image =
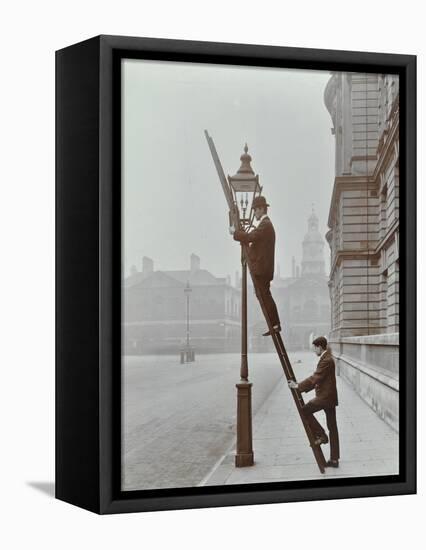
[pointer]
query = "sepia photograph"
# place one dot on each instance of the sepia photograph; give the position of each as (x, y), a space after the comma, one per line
(259, 274)
(211, 252)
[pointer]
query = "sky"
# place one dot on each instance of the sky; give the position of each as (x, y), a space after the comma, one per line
(173, 204)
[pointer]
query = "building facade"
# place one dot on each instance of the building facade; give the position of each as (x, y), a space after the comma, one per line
(155, 306)
(364, 235)
(155, 316)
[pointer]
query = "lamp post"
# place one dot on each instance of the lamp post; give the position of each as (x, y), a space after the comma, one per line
(189, 352)
(245, 186)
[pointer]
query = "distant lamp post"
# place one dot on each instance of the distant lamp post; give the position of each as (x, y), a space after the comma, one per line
(187, 354)
(245, 187)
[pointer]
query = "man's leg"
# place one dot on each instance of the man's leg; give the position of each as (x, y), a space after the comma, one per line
(334, 434)
(308, 410)
(266, 296)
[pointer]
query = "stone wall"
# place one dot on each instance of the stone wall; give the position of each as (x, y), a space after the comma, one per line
(364, 236)
(364, 209)
(354, 275)
(370, 364)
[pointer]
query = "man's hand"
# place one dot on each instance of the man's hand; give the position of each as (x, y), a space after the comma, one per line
(231, 230)
(293, 385)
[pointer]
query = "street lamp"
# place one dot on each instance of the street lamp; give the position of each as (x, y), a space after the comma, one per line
(245, 187)
(188, 351)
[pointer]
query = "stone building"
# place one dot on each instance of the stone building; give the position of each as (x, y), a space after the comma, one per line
(364, 235)
(303, 299)
(154, 305)
(155, 314)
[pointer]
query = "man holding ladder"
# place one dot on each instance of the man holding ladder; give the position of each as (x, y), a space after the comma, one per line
(323, 380)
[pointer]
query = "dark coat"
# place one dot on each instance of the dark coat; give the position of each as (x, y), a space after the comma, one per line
(324, 382)
(262, 248)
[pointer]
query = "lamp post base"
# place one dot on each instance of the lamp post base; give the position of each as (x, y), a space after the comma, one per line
(244, 455)
(187, 355)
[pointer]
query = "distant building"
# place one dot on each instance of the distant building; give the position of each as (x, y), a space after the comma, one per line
(154, 306)
(303, 299)
(155, 315)
(364, 235)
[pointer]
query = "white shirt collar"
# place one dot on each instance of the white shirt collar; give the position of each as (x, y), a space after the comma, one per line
(262, 218)
(325, 351)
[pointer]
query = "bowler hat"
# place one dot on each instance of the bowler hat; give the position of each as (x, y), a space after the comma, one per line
(258, 202)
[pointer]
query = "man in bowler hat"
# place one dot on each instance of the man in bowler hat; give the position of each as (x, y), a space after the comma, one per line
(261, 241)
(323, 380)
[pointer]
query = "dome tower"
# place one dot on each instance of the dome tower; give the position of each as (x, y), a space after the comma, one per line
(313, 263)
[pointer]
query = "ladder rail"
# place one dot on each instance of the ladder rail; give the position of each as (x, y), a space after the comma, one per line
(233, 209)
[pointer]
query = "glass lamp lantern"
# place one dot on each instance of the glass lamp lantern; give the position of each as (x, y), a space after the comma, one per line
(245, 187)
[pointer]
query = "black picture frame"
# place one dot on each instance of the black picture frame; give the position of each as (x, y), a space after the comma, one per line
(88, 273)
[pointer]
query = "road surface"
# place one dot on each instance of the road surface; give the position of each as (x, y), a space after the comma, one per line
(179, 419)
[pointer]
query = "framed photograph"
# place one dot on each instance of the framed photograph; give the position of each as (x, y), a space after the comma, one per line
(236, 278)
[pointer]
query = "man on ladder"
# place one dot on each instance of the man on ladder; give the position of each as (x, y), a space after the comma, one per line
(324, 382)
(261, 241)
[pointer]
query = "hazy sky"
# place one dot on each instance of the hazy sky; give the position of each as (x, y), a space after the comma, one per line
(173, 203)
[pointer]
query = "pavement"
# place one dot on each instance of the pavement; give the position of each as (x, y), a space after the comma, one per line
(368, 446)
(179, 419)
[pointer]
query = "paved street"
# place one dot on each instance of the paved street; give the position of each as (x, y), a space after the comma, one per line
(179, 420)
(368, 446)
(179, 425)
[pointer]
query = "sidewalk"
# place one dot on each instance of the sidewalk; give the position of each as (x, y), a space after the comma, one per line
(368, 446)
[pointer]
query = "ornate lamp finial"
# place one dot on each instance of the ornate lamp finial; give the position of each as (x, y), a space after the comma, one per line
(245, 158)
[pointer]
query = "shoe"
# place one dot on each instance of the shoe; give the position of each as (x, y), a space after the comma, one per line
(332, 464)
(321, 440)
(276, 329)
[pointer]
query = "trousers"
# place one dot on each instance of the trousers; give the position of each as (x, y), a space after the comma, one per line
(263, 292)
(330, 413)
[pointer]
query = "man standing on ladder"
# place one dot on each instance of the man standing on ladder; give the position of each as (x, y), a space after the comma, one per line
(261, 241)
(324, 382)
